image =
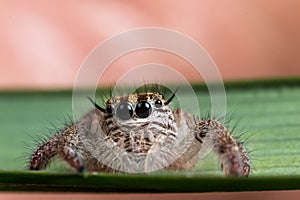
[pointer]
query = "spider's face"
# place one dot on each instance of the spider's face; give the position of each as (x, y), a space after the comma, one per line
(136, 108)
(138, 121)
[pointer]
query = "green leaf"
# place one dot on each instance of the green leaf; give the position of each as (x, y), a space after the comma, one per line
(268, 110)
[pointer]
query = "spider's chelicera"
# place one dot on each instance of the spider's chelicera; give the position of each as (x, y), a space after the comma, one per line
(145, 128)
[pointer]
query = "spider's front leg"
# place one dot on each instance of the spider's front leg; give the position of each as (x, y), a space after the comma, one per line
(232, 154)
(62, 145)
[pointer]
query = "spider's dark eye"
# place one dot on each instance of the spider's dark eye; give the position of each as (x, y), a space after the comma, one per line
(124, 111)
(158, 103)
(109, 109)
(143, 109)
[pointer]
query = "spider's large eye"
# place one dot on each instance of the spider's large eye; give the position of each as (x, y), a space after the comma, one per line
(124, 111)
(143, 109)
(158, 103)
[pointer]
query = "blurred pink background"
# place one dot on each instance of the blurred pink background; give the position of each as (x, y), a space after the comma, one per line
(43, 43)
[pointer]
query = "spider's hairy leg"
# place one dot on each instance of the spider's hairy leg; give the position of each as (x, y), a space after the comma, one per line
(61, 144)
(232, 154)
(44, 154)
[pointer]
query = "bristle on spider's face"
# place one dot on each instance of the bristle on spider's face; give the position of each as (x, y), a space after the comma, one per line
(96, 105)
(172, 97)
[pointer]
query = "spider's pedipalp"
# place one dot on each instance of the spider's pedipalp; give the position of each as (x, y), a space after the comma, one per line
(72, 157)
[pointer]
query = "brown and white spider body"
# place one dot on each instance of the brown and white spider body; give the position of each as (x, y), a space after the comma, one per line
(140, 133)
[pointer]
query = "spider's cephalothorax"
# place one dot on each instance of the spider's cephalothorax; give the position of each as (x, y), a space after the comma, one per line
(140, 131)
(136, 121)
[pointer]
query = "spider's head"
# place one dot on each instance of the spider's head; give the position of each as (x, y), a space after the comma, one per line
(137, 121)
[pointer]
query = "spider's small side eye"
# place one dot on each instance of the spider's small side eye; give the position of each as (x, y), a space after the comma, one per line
(143, 109)
(109, 109)
(124, 111)
(158, 103)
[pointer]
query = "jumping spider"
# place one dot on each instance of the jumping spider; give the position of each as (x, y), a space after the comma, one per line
(142, 127)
